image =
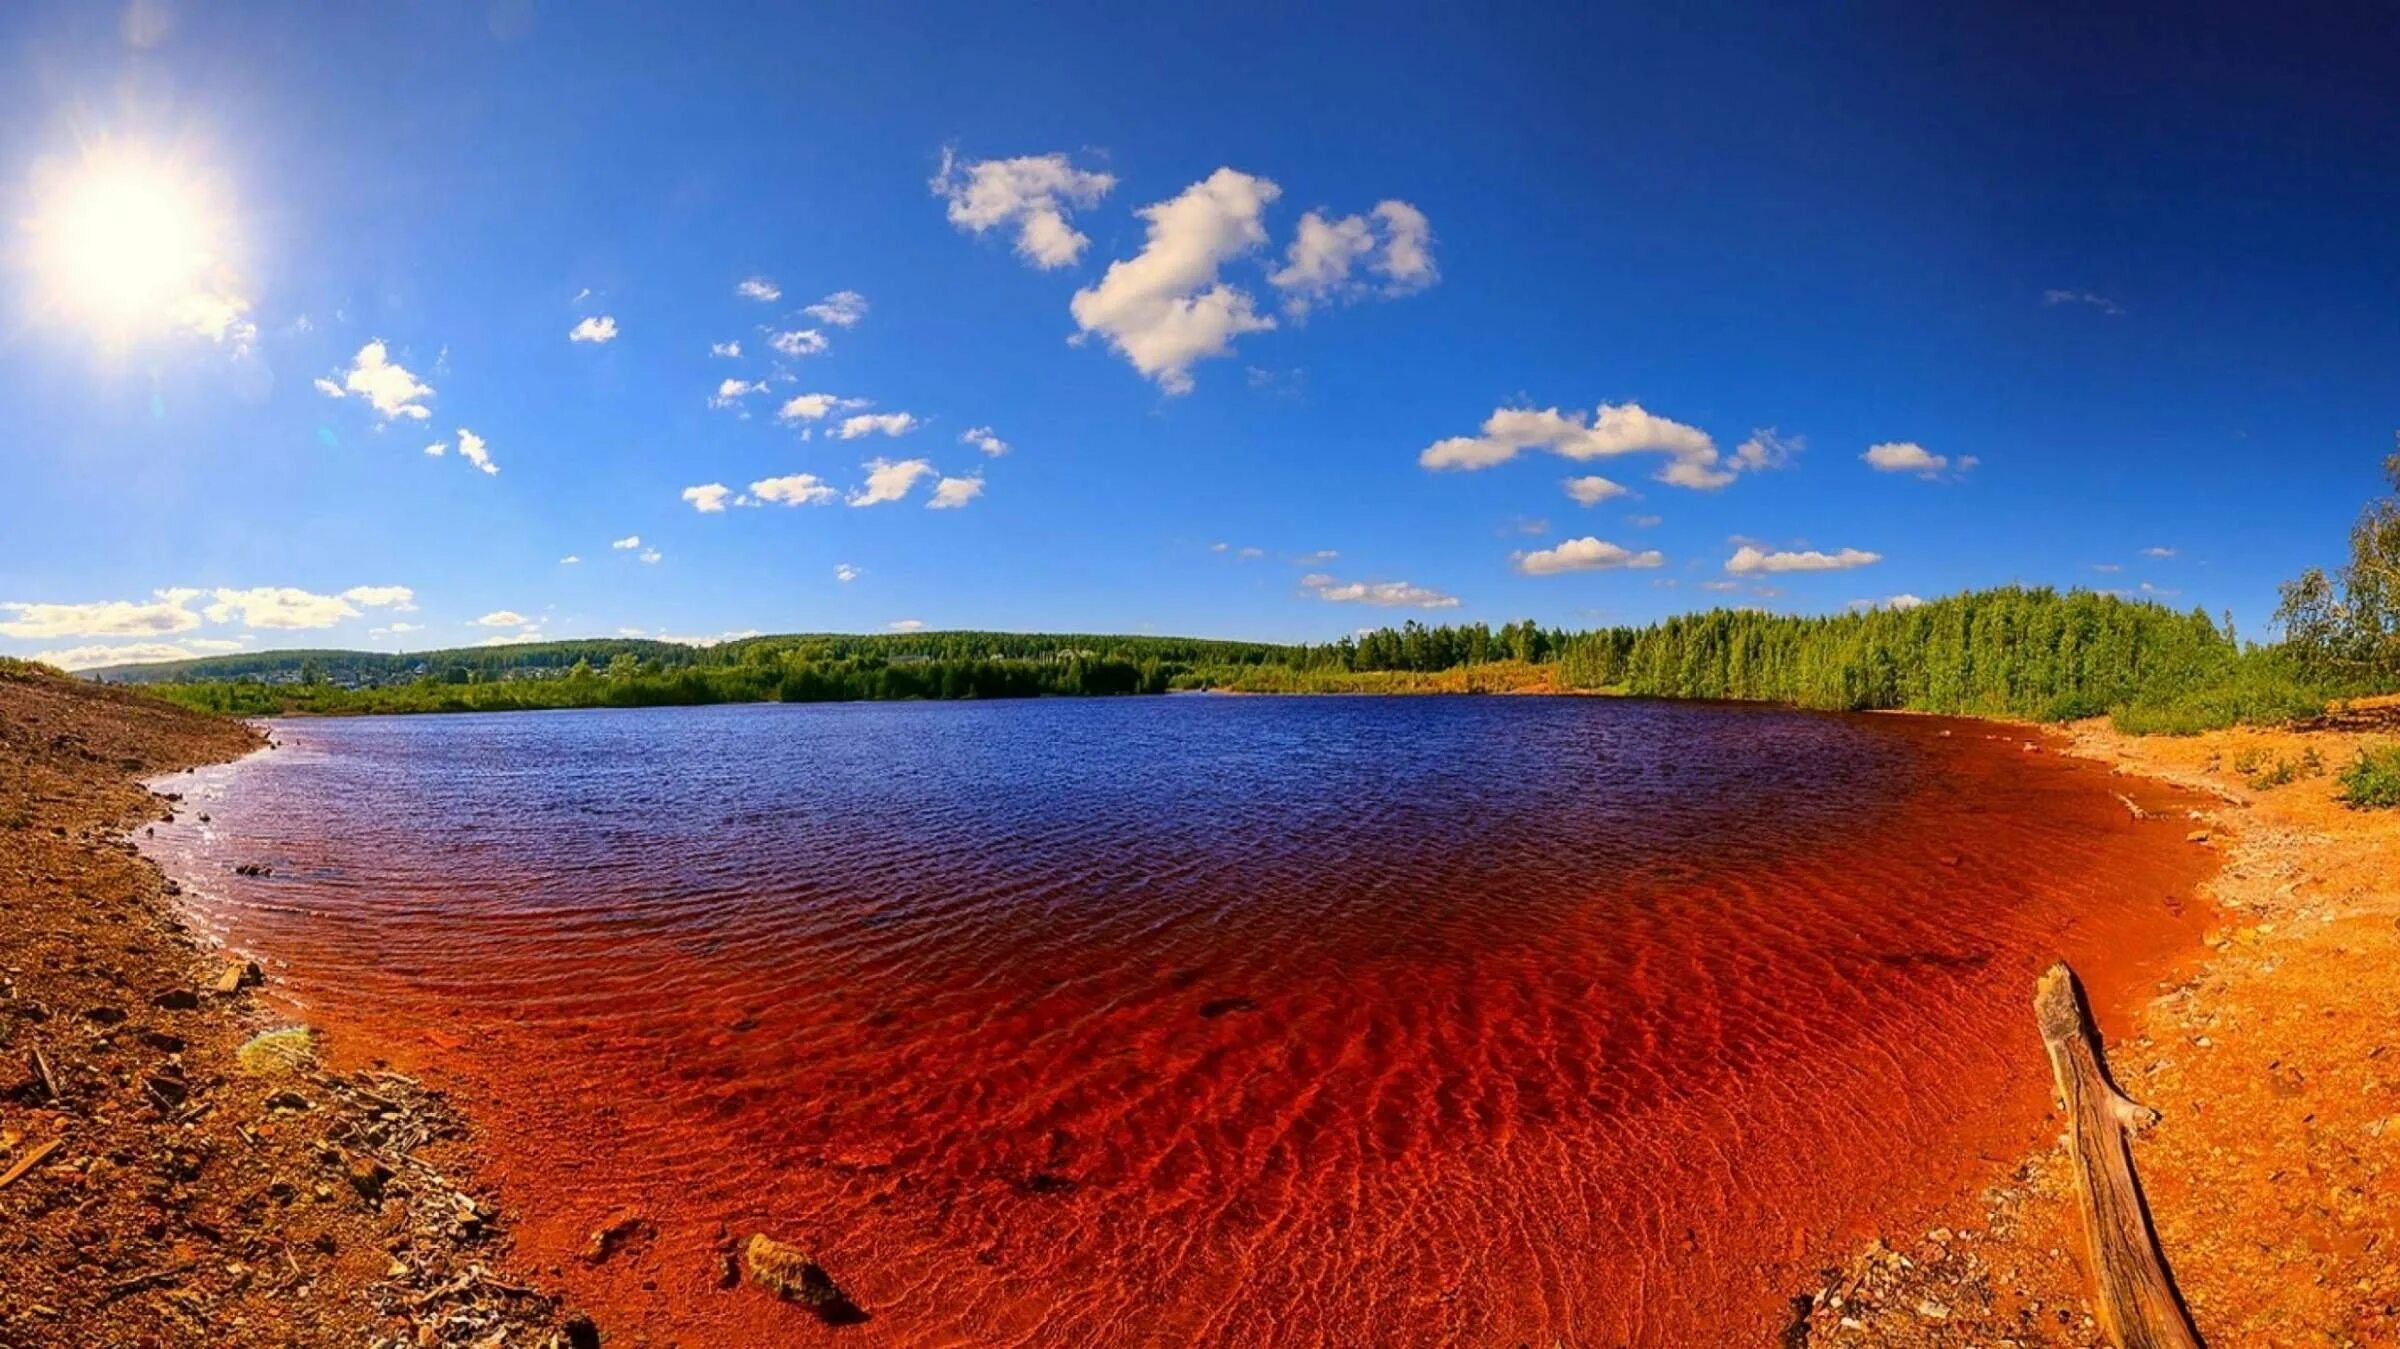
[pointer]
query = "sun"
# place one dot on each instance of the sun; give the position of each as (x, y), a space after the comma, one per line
(127, 243)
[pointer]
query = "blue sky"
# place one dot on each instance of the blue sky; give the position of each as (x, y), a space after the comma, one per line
(2098, 289)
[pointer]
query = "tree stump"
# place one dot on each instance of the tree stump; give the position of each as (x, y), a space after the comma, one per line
(2134, 1295)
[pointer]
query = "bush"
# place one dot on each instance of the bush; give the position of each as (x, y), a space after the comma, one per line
(2373, 781)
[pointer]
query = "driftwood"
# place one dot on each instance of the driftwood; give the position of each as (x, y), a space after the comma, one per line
(2136, 1301)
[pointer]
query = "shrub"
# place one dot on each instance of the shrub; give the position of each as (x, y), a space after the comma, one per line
(2372, 782)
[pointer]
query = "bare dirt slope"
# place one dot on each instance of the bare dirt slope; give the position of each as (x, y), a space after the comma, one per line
(165, 1176)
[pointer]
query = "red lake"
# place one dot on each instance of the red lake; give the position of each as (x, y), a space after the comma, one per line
(1361, 1021)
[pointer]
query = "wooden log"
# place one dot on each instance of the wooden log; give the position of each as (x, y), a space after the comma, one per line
(2134, 1294)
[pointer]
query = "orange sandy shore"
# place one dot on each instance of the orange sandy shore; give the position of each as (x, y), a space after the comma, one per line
(2275, 1064)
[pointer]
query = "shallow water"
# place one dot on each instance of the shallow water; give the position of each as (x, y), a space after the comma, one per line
(1201, 1020)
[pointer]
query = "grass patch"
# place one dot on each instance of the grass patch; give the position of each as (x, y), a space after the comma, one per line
(2372, 782)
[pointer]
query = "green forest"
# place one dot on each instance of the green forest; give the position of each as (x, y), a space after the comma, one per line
(2013, 651)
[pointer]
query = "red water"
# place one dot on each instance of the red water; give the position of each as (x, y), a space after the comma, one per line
(1363, 1021)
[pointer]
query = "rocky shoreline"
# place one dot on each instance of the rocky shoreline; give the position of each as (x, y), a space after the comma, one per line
(176, 1165)
(2275, 1064)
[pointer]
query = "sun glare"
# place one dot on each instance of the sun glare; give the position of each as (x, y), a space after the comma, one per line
(127, 243)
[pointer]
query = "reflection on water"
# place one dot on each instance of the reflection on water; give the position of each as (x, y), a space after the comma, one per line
(1367, 1021)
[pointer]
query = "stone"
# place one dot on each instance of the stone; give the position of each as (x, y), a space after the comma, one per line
(791, 1274)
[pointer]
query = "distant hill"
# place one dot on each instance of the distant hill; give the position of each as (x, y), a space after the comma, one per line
(372, 669)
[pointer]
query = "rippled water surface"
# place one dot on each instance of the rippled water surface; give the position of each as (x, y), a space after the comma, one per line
(1200, 1020)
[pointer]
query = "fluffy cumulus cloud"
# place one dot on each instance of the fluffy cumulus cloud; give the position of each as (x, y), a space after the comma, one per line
(842, 309)
(472, 449)
(952, 493)
(1751, 560)
(798, 342)
(845, 573)
(760, 289)
(1765, 449)
(383, 597)
(131, 653)
(1386, 252)
(386, 385)
(981, 438)
(1384, 594)
(600, 329)
(1585, 554)
(1615, 429)
(731, 392)
(626, 544)
(890, 480)
(1907, 456)
(285, 607)
(166, 611)
(652, 555)
(906, 625)
(1165, 308)
(1033, 195)
(708, 498)
(796, 489)
(813, 407)
(875, 424)
(725, 348)
(1903, 600)
(503, 618)
(1593, 489)
(569, 560)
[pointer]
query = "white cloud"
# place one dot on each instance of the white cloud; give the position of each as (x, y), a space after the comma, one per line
(383, 597)
(601, 329)
(165, 612)
(953, 493)
(708, 498)
(438, 448)
(906, 625)
(889, 480)
(1903, 600)
(627, 544)
(725, 348)
(1395, 243)
(470, 448)
(1765, 450)
(569, 560)
(981, 438)
(651, 555)
(503, 618)
(532, 634)
(845, 573)
(387, 385)
(289, 607)
(1593, 489)
(1615, 429)
(798, 342)
(731, 392)
(1749, 559)
(1584, 554)
(2159, 552)
(809, 407)
(1165, 308)
(875, 424)
(1321, 555)
(130, 653)
(1386, 594)
(396, 629)
(1907, 456)
(760, 289)
(797, 489)
(842, 309)
(713, 640)
(1031, 193)
(2102, 303)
